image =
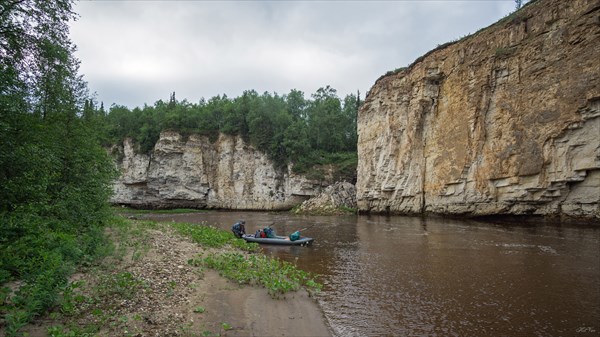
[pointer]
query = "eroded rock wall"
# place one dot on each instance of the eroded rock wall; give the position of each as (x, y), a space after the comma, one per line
(195, 172)
(339, 198)
(503, 122)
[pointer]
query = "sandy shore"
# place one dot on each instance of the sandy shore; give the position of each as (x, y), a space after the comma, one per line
(169, 297)
(252, 312)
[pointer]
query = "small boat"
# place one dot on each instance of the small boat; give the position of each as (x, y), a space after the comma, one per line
(278, 240)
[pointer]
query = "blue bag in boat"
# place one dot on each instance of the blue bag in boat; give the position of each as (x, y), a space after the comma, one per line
(269, 232)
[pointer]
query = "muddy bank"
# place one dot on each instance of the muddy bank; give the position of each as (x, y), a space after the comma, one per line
(147, 288)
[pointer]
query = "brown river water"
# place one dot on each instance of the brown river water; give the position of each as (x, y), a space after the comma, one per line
(410, 276)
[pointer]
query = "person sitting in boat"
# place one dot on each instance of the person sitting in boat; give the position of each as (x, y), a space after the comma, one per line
(239, 229)
(260, 234)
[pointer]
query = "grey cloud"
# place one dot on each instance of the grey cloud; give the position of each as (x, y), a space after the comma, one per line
(136, 52)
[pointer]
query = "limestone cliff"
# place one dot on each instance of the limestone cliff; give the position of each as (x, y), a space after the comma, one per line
(195, 172)
(506, 121)
(339, 198)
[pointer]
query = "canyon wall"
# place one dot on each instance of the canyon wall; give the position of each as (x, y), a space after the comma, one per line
(506, 121)
(198, 173)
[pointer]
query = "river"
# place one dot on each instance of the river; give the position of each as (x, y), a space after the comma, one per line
(411, 276)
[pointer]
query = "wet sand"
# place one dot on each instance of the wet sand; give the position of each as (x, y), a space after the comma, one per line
(173, 291)
(252, 312)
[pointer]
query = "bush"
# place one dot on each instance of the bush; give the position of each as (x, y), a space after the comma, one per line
(213, 237)
(277, 276)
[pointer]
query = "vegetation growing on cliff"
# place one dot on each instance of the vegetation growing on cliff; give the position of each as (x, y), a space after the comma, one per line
(289, 128)
(54, 175)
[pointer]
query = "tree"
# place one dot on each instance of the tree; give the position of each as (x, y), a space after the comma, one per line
(518, 4)
(296, 104)
(348, 126)
(172, 101)
(54, 176)
(235, 114)
(288, 128)
(324, 118)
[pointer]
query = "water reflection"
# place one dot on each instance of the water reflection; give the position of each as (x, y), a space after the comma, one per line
(439, 277)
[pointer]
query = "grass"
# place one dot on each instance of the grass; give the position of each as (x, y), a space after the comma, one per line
(111, 286)
(208, 236)
(97, 302)
(395, 71)
(122, 285)
(83, 309)
(36, 262)
(279, 277)
(502, 52)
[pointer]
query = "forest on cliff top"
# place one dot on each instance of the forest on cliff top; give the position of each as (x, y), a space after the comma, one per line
(291, 128)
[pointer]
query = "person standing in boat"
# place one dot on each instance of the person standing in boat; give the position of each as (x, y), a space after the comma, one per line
(239, 228)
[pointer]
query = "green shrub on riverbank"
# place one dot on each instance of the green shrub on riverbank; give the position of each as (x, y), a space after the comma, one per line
(83, 307)
(55, 178)
(277, 276)
(37, 266)
(207, 236)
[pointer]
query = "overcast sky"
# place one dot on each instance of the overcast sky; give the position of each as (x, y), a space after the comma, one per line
(136, 52)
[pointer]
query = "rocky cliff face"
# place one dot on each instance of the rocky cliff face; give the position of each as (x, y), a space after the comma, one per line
(339, 198)
(503, 122)
(197, 173)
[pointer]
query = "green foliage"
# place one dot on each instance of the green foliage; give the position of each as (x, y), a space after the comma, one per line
(277, 276)
(55, 178)
(395, 71)
(287, 128)
(42, 257)
(98, 299)
(61, 331)
(349, 210)
(70, 299)
(213, 237)
(119, 285)
(316, 165)
(502, 52)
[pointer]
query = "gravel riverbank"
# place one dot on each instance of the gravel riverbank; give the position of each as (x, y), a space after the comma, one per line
(148, 288)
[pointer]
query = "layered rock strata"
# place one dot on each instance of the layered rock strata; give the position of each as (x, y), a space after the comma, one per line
(198, 173)
(506, 121)
(339, 198)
